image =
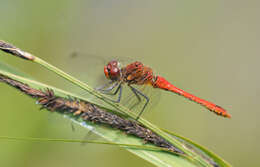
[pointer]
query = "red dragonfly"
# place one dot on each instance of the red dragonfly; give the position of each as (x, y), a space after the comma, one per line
(137, 73)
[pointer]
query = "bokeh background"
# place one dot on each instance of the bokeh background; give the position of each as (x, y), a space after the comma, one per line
(209, 48)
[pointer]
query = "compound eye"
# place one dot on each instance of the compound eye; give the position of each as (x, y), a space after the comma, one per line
(109, 66)
(112, 70)
(106, 71)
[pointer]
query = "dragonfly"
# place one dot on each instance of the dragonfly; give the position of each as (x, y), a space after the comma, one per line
(137, 73)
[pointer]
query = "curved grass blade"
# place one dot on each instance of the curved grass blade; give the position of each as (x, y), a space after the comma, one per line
(195, 158)
(214, 156)
(158, 158)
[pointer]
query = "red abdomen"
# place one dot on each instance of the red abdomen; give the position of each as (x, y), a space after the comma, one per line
(162, 83)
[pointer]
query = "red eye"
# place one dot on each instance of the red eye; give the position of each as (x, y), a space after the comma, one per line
(112, 70)
(106, 72)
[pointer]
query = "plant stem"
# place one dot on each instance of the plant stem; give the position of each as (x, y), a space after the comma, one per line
(27, 56)
(118, 106)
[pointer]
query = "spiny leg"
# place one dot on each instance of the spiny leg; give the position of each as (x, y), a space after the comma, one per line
(137, 96)
(105, 90)
(146, 98)
(119, 88)
(109, 89)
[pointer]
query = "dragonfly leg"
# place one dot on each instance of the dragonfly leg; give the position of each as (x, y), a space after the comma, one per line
(138, 98)
(109, 89)
(136, 91)
(119, 88)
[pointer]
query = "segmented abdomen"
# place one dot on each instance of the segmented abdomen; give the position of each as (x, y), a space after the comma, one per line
(162, 83)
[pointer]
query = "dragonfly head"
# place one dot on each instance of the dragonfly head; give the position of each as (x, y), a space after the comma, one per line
(112, 70)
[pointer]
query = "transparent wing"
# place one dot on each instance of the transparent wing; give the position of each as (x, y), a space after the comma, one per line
(88, 68)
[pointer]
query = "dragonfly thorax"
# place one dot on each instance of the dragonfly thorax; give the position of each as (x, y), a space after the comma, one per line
(137, 73)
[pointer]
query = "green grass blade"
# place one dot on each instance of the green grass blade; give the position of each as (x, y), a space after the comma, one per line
(195, 158)
(214, 156)
(27, 56)
(158, 158)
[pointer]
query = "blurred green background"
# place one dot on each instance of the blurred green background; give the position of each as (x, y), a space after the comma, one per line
(209, 48)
